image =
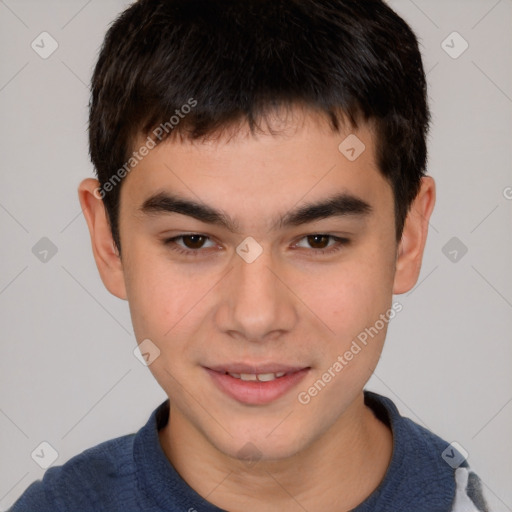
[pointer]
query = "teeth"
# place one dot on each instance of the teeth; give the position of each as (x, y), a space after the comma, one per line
(265, 377)
(261, 377)
(248, 376)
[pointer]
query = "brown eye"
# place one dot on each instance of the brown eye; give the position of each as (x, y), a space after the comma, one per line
(189, 244)
(318, 241)
(193, 241)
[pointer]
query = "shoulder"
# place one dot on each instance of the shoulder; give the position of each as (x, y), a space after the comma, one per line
(426, 473)
(446, 466)
(87, 482)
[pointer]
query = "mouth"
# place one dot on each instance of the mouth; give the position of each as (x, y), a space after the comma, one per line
(253, 377)
(256, 385)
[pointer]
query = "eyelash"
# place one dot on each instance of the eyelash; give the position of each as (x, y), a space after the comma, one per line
(171, 243)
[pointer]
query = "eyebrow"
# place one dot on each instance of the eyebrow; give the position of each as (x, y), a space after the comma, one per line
(338, 205)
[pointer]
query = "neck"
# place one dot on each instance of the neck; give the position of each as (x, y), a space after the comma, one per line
(336, 472)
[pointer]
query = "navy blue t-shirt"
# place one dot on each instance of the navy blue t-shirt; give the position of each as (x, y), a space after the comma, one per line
(132, 473)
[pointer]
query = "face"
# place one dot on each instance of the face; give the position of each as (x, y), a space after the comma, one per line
(247, 258)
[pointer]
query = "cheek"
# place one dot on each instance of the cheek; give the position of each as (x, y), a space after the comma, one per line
(156, 295)
(349, 296)
(354, 300)
(164, 306)
(168, 302)
(356, 303)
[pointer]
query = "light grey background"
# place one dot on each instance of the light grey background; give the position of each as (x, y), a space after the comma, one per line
(68, 375)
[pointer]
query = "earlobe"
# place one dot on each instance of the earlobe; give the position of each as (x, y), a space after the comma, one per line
(104, 250)
(414, 237)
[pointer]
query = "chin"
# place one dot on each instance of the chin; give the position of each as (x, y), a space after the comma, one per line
(256, 444)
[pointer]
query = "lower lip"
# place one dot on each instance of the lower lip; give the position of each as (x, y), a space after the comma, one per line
(256, 392)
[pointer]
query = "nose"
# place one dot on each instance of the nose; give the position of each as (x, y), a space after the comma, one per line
(257, 303)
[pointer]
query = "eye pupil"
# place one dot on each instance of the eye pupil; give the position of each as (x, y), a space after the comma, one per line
(197, 241)
(314, 240)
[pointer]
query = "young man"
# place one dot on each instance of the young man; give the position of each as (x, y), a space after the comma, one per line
(261, 195)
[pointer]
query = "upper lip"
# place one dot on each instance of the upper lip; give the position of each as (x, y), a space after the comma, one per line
(255, 368)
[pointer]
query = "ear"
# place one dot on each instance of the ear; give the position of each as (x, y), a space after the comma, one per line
(105, 253)
(414, 236)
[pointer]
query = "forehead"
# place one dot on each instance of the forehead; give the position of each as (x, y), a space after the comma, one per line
(265, 173)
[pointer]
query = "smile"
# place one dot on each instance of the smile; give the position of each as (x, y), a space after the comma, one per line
(256, 385)
(261, 377)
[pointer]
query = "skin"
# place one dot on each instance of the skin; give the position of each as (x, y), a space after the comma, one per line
(291, 305)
